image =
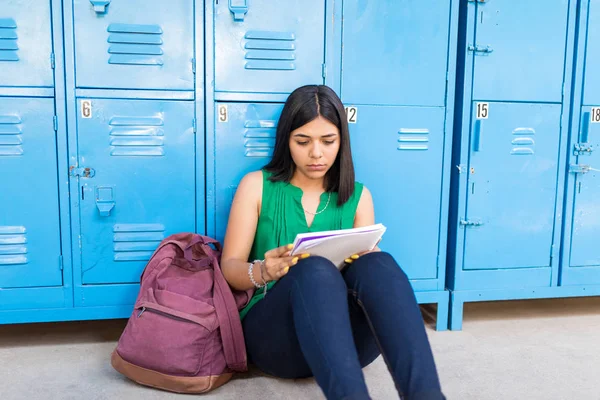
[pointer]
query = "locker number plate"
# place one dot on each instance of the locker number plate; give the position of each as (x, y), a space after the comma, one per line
(86, 109)
(483, 110)
(595, 115)
(223, 115)
(352, 114)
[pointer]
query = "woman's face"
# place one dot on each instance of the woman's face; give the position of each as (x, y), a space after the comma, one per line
(314, 147)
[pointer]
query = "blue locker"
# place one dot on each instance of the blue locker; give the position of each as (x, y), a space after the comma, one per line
(520, 50)
(405, 181)
(511, 190)
(134, 44)
(30, 248)
(137, 183)
(243, 142)
(395, 52)
(262, 46)
(585, 226)
(26, 54)
(516, 63)
(581, 257)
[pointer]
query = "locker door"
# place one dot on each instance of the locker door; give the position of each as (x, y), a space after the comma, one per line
(134, 44)
(244, 142)
(398, 155)
(583, 265)
(140, 187)
(25, 43)
(527, 44)
(585, 228)
(29, 213)
(268, 46)
(512, 186)
(591, 89)
(395, 52)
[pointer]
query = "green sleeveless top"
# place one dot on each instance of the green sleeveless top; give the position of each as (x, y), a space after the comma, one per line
(282, 218)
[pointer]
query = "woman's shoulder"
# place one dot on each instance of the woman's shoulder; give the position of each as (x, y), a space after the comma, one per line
(251, 185)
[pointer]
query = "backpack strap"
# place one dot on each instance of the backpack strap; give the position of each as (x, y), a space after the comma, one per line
(230, 324)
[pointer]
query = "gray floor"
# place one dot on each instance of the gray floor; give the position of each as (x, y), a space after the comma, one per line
(542, 349)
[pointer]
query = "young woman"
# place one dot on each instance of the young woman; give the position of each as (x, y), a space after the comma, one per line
(311, 319)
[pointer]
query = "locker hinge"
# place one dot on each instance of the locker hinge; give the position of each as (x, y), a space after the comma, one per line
(477, 49)
(55, 119)
(193, 65)
(583, 149)
(468, 222)
(83, 172)
(60, 262)
(324, 71)
(194, 125)
(52, 60)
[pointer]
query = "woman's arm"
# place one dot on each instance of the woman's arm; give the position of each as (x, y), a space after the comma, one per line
(241, 228)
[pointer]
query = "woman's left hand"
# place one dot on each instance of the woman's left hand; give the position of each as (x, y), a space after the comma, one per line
(355, 257)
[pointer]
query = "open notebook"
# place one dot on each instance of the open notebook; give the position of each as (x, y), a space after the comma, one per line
(338, 245)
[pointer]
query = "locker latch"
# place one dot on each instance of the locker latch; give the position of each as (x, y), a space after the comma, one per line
(239, 8)
(579, 169)
(100, 5)
(468, 222)
(583, 149)
(82, 172)
(476, 1)
(105, 200)
(480, 49)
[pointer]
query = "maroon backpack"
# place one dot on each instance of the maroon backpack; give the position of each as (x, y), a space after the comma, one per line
(185, 333)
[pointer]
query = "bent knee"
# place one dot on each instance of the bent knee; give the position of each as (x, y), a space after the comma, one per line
(383, 259)
(316, 270)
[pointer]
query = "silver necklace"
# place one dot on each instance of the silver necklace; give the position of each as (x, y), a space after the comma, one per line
(319, 212)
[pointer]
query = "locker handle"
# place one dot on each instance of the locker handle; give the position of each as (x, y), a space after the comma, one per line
(100, 5)
(477, 136)
(238, 8)
(105, 200)
(585, 128)
(105, 207)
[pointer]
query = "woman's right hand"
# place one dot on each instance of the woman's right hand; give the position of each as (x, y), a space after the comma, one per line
(278, 262)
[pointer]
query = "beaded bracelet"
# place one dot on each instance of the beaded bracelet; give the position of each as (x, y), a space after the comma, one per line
(251, 275)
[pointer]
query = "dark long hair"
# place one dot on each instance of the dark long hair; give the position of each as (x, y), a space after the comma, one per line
(304, 105)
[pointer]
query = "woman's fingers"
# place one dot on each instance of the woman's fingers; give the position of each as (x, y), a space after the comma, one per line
(279, 251)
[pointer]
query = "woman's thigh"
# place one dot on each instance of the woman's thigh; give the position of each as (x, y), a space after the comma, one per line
(271, 340)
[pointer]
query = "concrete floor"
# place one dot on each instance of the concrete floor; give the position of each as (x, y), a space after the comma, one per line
(540, 349)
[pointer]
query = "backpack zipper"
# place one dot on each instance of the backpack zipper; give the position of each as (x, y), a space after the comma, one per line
(167, 315)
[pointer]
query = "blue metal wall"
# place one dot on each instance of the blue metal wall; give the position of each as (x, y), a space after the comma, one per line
(137, 119)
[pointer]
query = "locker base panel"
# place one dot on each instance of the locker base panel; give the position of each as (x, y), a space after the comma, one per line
(460, 297)
(30, 305)
(441, 298)
(64, 314)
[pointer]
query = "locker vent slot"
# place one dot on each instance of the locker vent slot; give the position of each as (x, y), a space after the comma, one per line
(269, 50)
(11, 138)
(523, 141)
(413, 139)
(8, 40)
(13, 245)
(135, 44)
(259, 138)
(136, 136)
(136, 242)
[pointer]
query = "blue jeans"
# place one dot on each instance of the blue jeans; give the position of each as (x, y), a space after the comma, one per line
(319, 322)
